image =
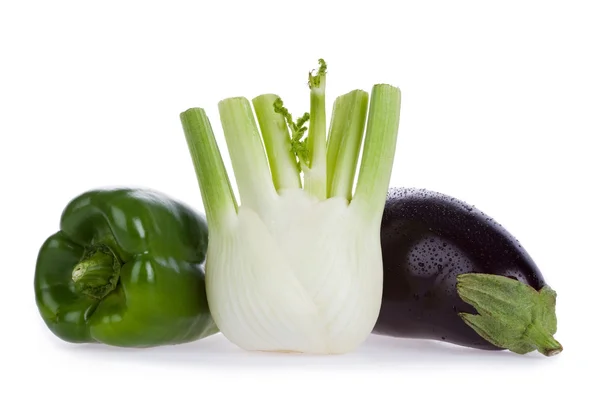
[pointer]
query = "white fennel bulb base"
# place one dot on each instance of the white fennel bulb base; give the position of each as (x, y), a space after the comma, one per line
(306, 278)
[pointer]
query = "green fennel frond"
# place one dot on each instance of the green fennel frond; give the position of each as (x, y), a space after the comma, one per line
(314, 81)
(298, 129)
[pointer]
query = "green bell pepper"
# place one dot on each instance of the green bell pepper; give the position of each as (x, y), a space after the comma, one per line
(125, 269)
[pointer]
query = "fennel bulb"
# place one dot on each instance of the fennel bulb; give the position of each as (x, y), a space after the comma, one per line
(297, 265)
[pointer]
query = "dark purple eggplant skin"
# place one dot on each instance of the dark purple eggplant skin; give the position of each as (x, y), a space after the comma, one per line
(427, 239)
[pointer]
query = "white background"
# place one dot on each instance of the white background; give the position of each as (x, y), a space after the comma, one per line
(500, 108)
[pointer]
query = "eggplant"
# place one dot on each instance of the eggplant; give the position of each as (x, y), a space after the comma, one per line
(453, 274)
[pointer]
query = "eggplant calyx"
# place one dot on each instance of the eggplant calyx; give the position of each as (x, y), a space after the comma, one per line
(512, 314)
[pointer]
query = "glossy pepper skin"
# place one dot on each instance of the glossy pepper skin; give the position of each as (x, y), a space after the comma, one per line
(125, 269)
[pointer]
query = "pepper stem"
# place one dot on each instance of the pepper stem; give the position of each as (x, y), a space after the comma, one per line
(97, 273)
